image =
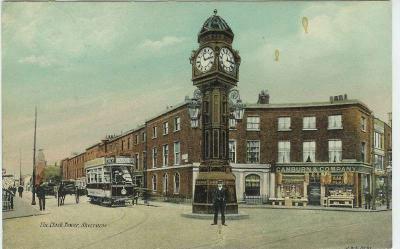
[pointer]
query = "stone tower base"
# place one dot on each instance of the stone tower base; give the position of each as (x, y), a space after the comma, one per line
(205, 185)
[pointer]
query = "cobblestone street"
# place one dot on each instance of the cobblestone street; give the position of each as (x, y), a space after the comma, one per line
(161, 225)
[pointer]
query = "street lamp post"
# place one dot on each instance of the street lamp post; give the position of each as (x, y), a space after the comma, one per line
(388, 185)
(34, 162)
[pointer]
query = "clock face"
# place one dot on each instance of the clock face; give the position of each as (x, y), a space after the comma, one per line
(205, 59)
(226, 60)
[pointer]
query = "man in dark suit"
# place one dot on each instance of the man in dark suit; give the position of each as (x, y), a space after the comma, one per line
(41, 195)
(219, 202)
(368, 198)
(20, 190)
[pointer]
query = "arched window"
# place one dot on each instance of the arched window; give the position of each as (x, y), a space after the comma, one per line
(176, 183)
(165, 183)
(154, 182)
(252, 185)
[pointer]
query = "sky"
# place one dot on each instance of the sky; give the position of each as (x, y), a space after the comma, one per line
(94, 69)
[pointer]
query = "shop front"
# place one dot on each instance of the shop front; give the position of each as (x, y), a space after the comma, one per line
(339, 184)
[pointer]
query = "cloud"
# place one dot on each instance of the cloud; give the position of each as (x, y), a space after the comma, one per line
(41, 61)
(156, 45)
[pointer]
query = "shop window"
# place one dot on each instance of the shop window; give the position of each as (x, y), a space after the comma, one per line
(252, 185)
(292, 190)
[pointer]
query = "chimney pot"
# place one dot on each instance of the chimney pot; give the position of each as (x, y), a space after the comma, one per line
(263, 97)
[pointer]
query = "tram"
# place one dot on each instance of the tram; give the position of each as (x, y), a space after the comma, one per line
(109, 180)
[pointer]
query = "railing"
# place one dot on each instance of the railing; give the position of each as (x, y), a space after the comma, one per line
(176, 199)
(8, 200)
(256, 200)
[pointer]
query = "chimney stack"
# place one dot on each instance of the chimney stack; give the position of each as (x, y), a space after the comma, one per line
(263, 97)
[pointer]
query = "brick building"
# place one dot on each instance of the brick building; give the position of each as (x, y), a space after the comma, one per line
(382, 155)
(306, 151)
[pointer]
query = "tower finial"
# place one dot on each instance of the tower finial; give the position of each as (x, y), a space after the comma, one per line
(215, 12)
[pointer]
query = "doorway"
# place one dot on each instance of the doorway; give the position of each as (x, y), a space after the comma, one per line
(314, 191)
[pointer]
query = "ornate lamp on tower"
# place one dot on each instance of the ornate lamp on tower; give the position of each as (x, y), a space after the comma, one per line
(215, 72)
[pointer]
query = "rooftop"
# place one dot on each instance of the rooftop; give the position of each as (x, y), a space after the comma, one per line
(308, 104)
(215, 23)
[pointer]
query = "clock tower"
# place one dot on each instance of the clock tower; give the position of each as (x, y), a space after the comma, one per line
(215, 71)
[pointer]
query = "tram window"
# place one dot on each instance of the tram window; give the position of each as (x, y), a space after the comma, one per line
(121, 174)
(106, 175)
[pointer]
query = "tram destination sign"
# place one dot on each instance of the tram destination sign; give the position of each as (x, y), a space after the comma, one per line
(305, 169)
(122, 160)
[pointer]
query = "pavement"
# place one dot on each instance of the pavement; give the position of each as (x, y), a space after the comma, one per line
(378, 208)
(161, 225)
(23, 207)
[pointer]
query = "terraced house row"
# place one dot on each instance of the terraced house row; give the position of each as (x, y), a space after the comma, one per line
(321, 153)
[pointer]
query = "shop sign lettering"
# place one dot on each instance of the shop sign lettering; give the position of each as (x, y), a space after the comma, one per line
(317, 169)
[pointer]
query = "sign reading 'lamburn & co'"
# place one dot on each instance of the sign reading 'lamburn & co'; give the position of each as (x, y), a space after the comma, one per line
(291, 169)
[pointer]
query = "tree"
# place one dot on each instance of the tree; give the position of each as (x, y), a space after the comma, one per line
(52, 174)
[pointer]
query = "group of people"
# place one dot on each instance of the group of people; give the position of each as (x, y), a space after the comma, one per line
(20, 190)
(41, 195)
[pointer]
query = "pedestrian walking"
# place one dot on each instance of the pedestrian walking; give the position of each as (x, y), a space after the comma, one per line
(136, 197)
(368, 198)
(77, 194)
(219, 201)
(20, 190)
(41, 195)
(60, 195)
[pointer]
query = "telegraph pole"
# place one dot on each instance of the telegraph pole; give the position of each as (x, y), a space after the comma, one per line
(20, 170)
(34, 162)
(373, 164)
